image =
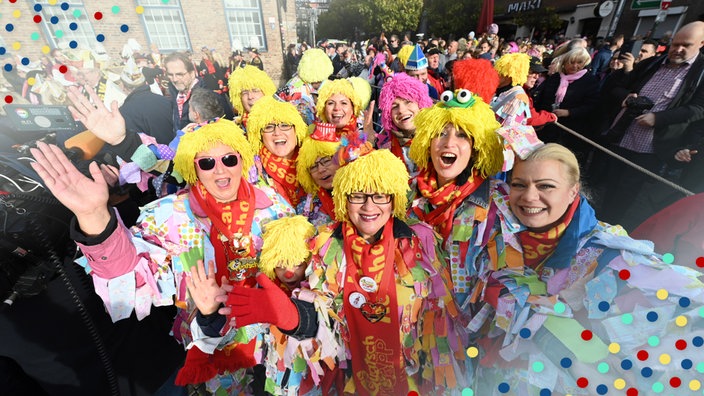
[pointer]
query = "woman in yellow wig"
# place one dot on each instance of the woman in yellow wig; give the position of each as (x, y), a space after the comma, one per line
(276, 130)
(247, 85)
(217, 219)
(340, 103)
(456, 151)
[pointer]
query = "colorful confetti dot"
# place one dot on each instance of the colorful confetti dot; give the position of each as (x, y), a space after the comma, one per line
(524, 333)
(681, 321)
(73, 44)
(37, 19)
(16, 45)
(46, 49)
(603, 367)
(467, 392)
(31, 81)
(566, 362)
(694, 385)
(100, 38)
(686, 364)
(34, 36)
(25, 61)
(701, 312)
(54, 20)
(624, 274)
(700, 367)
(37, 7)
(627, 318)
(59, 33)
(632, 392)
(675, 382)
(559, 307)
(124, 28)
(646, 372)
(73, 26)
(602, 389)
(619, 383)
(697, 341)
(472, 352)
(653, 341)
(665, 358)
(582, 382)
(668, 258)
(604, 306)
(77, 13)
(545, 392)
(52, 2)
(658, 387)
(681, 344)
(652, 316)
(642, 355)
(2, 50)
(684, 302)
(587, 335)
(700, 261)
(16, 13)
(9, 27)
(139, 10)
(504, 387)
(614, 347)
(538, 367)
(98, 15)
(626, 364)
(65, 6)
(63, 69)
(9, 99)
(412, 393)
(661, 294)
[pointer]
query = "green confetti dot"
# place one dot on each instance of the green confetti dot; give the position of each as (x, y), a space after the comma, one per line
(538, 367)
(658, 387)
(165, 1)
(653, 341)
(701, 312)
(76, 13)
(467, 392)
(603, 367)
(59, 33)
(627, 318)
(559, 307)
(34, 36)
(668, 258)
(115, 9)
(700, 367)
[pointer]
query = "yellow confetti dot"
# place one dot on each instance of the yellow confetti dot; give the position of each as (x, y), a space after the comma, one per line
(46, 49)
(16, 13)
(472, 352)
(665, 358)
(619, 383)
(31, 81)
(661, 294)
(681, 321)
(694, 385)
(614, 347)
(52, 2)
(16, 45)
(139, 9)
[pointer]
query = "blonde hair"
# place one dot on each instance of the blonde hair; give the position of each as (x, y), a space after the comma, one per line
(577, 54)
(246, 78)
(309, 152)
(559, 153)
(342, 87)
(285, 244)
(269, 110)
(515, 66)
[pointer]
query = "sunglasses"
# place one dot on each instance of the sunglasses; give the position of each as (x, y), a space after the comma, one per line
(208, 163)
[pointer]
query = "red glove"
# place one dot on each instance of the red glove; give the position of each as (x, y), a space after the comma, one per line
(268, 304)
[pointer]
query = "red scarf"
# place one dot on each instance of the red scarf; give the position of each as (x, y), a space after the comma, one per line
(327, 205)
(209, 65)
(445, 199)
(283, 171)
(375, 347)
(537, 246)
(350, 127)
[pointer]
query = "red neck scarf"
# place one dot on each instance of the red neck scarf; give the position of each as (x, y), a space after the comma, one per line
(375, 346)
(230, 234)
(537, 246)
(327, 205)
(283, 171)
(209, 65)
(445, 199)
(350, 127)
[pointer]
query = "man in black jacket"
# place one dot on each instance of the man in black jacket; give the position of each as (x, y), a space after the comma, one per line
(143, 110)
(673, 83)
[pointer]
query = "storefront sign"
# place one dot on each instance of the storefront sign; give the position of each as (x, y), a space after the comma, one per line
(523, 6)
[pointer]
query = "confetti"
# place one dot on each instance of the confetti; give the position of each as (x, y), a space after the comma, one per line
(472, 352)
(603, 367)
(59, 33)
(668, 258)
(37, 19)
(602, 389)
(665, 359)
(697, 341)
(624, 274)
(587, 335)
(559, 307)
(681, 321)
(566, 362)
(16, 13)
(642, 355)
(54, 20)
(34, 36)
(614, 347)
(504, 387)
(8, 99)
(653, 341)
(627, 318)
(115, 9)
(124, 28)
(684, 302)
(582, 382)
(98, 16)
(545, 392)
(694, 385)
(9, 27)
(467, 392)
(658, 387)
(524, 333)
(16, 45)
(661, 294)
(700, 261)
(675, 382)
(37, 7)
(46, 49)
(632, 392)
(646, 372)
(538, 367)
(652, 316)
(412, 393)
(73, 44)
(619, 383)
(100, 38)
(31, 81)
(681, 344)
(139, 10)
(604, 306)
(63, 69)
(73, 26)
(686, 364)
(626, 364)
(65, 6)
(77, 13)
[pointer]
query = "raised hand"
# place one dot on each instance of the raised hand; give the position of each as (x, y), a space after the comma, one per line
(369, 123)
(87, 198)
(107, 124)
(204, 288)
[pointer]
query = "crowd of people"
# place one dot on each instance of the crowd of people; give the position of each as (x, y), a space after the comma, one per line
(397, 216)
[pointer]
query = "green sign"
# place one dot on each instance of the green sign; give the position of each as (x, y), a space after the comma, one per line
(645, 4)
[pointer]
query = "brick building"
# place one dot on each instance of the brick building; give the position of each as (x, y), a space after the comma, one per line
(171, 25)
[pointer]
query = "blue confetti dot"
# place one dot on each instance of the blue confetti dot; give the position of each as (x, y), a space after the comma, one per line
(54, 20)
(73, 26)
(100, 38)
(504, 387)
(525, 333)
(8, 67)
(37, 7)
(686, 364)
(684, 302)
(73, 44)
(25, 61)
(626, 364)
(646, 372)
(124, 28)
(545, 392)
(2, 50)
(652, 316)
(602, 389)
(566, 362)
(604, 306)
(696, 341)
(65, 6)
(9, 27)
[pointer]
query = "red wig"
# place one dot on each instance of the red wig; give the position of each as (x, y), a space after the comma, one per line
(476, 75)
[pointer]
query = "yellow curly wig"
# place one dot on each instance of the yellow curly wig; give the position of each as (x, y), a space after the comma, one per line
(315, 66)
(515, 66)
(364, 90)
(404, 53)
(309, 152)
(330, 88)
(379, 172)
(478, 121)
(285, 244)
(206, 137)
(270, 110)
(245, 78)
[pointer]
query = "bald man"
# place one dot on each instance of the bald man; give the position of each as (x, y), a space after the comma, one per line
(673, 82)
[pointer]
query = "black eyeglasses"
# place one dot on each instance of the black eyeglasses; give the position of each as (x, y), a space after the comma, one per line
(361, 198)
(208, 163)
(269, 128)
(321, 163)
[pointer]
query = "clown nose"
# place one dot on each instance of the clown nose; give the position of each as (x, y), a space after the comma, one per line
(288, 274)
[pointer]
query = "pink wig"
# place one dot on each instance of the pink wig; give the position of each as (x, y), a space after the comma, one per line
(401, 86)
